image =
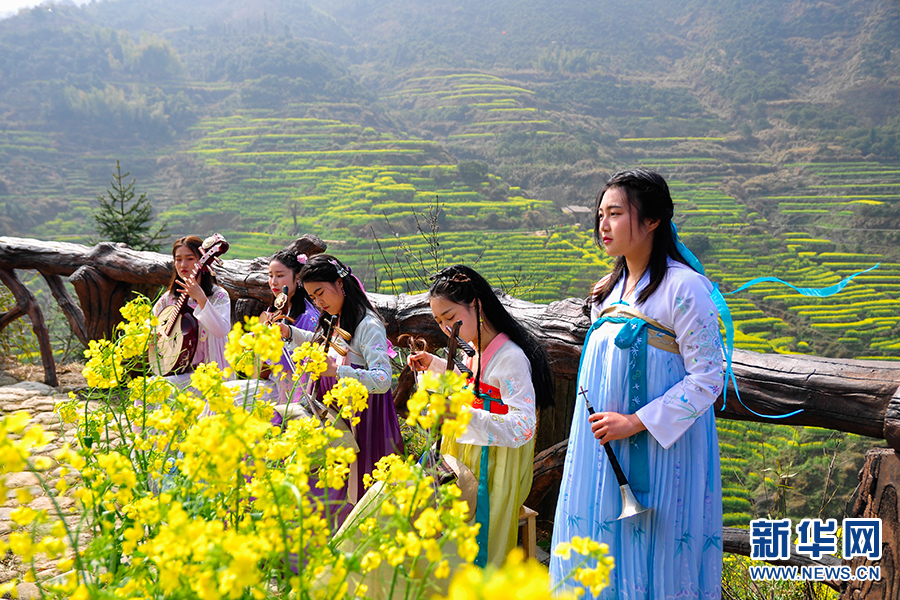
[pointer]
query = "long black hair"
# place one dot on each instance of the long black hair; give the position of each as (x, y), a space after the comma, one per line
(328, 269)
(648, 197)
(462, 285)
(207, 279)
(298, 299)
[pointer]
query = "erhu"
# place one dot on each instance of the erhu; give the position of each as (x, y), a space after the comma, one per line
(281, 301)
(630, 504)
(329, 331)
(324, 414)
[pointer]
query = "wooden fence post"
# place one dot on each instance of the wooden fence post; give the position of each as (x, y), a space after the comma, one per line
(879, 480)
(27, 304)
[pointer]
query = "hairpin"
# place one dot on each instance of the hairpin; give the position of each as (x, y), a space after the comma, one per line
(301, 258)
(451, 274)
(342, 271)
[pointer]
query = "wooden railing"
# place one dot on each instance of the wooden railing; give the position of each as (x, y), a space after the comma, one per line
(853, 396)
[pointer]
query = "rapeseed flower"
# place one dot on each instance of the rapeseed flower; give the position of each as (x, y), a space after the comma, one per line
(187, 495)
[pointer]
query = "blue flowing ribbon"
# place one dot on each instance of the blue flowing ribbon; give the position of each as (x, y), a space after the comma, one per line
(633, 337)
(724, 312)
(483, 502)
(815, 292)
(483, 510)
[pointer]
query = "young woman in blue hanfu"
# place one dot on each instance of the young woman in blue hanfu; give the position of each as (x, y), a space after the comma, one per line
(652, 366)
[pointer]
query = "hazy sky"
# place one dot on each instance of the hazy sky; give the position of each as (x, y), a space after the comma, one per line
(11, 7)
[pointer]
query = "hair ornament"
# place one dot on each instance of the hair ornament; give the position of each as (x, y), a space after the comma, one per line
(451, 274)
(301, 258)
(342, 271)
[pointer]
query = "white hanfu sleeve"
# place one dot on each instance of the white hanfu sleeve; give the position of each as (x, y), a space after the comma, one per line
(216, 315)
(161, 303)
(370, 342)
(511, 373)
(696, 325)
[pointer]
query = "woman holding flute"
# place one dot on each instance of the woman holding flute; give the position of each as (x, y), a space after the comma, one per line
(652, 365)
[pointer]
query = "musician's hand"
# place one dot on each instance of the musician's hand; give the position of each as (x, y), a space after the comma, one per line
(330, 367)
(265, 318)
(192, 287)
(608, 426)
(419, 361)
(285, 331)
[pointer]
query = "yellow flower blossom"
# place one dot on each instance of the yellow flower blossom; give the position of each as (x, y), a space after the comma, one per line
(350, 396)
(224, 505)
(440, 400)
(309, 359)
(517, 579)
(251, 342)
(370, 561)
(23, 515)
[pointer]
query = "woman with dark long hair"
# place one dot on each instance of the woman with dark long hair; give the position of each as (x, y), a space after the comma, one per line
(511, 379)
(337, 292)
(210, 304)
(280, 388)
(652, 366)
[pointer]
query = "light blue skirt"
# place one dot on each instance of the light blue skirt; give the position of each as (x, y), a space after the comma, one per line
(675, 549)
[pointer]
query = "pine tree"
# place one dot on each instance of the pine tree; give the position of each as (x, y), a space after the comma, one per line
(124, 218)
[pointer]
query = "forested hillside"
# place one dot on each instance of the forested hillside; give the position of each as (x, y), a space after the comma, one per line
(776, 124)
(414, 134)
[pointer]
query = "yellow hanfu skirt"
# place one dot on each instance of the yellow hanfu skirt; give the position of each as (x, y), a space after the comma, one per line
(510, 472)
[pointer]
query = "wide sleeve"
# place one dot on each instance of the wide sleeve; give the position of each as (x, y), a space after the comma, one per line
(371, 339)
(696, 325)
(511, 373)
(596, 308)
(216, 315)
(161, 303)
(439, 365)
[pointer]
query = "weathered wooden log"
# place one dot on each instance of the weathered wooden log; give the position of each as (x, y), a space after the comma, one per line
(878, 497)
(27, 304)
(116, 261)
(104, 297)
(847, 395)
(548, 468)
(72, 311)
(241, 278)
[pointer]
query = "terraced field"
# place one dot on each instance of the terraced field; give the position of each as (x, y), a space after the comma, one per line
(541, 266)
(481, 105)
(781, 470)
(836, 189)
(340, 180)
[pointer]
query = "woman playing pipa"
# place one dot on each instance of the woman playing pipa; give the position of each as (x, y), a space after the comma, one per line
(199, 299)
